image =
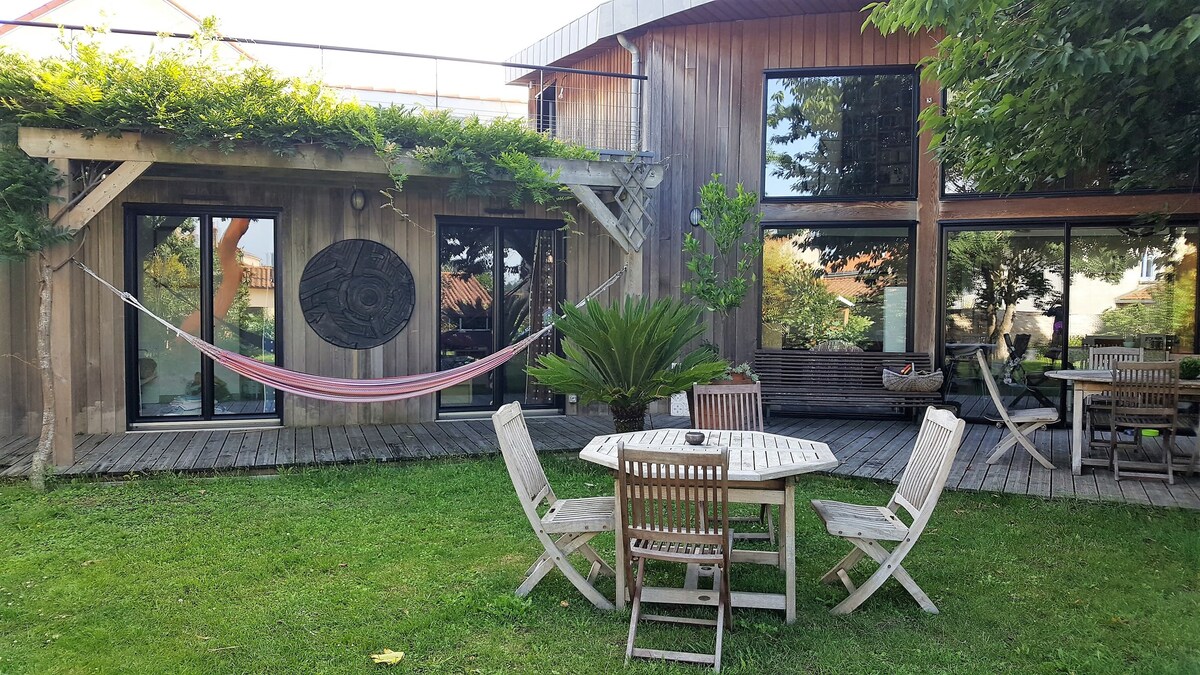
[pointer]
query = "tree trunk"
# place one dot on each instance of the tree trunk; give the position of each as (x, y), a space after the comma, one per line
(1004, 327)
(628, 418)
(45, 446)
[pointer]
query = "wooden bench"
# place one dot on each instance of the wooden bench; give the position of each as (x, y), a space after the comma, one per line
(839, 379)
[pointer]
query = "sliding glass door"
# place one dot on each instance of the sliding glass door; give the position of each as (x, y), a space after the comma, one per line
(500, 281)
(212, 274)
(1037, 297)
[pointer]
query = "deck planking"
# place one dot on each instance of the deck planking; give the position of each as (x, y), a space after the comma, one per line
(875, 449)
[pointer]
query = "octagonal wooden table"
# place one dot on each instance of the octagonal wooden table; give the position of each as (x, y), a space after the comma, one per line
(762, 470)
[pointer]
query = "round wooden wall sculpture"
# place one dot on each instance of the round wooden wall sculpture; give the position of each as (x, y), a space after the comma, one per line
(357, 294)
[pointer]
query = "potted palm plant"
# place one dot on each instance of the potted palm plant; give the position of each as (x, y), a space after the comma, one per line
(628, 355)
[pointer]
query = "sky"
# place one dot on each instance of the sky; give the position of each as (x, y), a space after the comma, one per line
(485, 29)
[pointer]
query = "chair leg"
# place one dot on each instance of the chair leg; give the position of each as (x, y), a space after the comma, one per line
(558, 555)
(880, 555)
(722, 615)
(845, 565)
(1023, 439)
(636, 613)
(860, 594)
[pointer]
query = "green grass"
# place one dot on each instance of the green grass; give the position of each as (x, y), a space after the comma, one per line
(315, 570)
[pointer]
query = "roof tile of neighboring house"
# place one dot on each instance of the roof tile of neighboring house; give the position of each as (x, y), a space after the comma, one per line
(460, 291)
(1141, 294)
(260, 276)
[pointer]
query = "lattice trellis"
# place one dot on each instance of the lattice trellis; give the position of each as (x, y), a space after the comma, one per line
(625, 211)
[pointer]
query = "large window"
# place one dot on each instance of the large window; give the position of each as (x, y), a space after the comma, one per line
(836, 288)
(1037, 298)
(211, 273)
(847, 135)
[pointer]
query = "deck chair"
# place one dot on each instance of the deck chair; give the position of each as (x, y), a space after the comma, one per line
(1021, 423)
(573, 521)
(865, 526)
(735, 407)
(673, 503)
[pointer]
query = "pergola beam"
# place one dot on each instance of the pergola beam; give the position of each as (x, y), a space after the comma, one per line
(71, 144)
(103, 194)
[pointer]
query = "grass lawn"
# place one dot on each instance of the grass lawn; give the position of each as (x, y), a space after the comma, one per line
(315, 570)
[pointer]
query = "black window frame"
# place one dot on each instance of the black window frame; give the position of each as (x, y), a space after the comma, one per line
(498, 226)
(776, 73)
(206, 213)
(909, 226)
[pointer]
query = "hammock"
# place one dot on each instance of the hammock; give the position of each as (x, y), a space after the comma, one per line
(336, 388)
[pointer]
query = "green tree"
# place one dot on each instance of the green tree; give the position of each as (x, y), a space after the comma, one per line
(1042, 89)
(796, 303)
(724, 220)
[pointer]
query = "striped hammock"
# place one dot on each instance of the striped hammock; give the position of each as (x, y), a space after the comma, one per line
(340, 389)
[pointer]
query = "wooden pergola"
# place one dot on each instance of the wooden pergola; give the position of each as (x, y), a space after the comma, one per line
(615, 192)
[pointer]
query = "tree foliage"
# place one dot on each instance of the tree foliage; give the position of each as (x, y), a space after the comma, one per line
(25, 191)
(798, 304)
(723, 219)
(189, 97)
(1043, 89)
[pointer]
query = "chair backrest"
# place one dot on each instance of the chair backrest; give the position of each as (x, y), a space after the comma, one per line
(929, 465)
(1103, 358)
(730, 407)
(1017, 347)
(985, 372)
(674, 495)
(1145, 389)
(521, 458)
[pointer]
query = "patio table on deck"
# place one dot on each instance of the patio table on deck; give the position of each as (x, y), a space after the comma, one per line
(1095, 382)
(762, 470)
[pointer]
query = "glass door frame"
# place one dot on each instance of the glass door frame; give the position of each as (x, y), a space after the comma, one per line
(1067, 225)
(206, 214)
(499, 225)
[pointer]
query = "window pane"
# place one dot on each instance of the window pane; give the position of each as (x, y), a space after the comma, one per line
(168, 369)
(467, 262)
(835, 288)
(243, 309)
(529, 294)
(1133, 287)
(1004, 283)
(840, 136)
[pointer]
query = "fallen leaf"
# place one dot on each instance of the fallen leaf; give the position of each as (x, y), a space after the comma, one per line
(564, 603)
(388, 657)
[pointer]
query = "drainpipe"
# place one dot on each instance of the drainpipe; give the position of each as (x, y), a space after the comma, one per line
(635, 94)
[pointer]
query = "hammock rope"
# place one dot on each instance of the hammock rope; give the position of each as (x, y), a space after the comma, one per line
(338, 389)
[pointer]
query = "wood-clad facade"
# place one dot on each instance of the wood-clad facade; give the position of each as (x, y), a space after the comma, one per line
(703, 112)
(313, 210)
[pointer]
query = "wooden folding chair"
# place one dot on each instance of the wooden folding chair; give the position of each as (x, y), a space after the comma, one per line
(574, 521)
(1104, 358)
(735, 407)
(865, 526)
(1021, 423)
(673, 503)
(1144, 396)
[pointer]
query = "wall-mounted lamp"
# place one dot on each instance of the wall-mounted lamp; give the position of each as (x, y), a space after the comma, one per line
(695, 216)
(358, 200)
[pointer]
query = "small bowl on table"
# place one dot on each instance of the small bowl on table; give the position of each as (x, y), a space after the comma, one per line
(694, 437)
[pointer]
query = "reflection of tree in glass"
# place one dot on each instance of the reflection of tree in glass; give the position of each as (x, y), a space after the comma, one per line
(798, 304)
(807, 109)
(1001, 269)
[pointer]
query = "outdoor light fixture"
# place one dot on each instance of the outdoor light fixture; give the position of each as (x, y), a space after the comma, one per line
(695, 216)
(358, 199)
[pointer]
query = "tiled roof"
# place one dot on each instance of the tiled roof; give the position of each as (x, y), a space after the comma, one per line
(1141, 294)
(260, 277)
(463, 292)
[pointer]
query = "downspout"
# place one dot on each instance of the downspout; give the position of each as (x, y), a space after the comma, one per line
(635, 94)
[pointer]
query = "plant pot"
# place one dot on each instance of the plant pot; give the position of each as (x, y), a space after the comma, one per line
(628, 418)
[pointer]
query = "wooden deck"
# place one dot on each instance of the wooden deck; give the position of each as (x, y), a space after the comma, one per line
(867, 448)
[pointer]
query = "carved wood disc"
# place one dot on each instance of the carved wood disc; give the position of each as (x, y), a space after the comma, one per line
(357, 294)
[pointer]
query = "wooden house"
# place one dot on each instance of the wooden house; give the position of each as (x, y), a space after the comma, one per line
(817, 113)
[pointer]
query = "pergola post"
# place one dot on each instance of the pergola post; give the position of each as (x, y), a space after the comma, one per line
(61, 331)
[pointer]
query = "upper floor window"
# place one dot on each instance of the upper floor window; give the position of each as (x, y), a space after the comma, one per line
(841, 135)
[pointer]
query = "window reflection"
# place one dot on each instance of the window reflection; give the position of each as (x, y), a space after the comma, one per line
(840, 135)
(835, 289)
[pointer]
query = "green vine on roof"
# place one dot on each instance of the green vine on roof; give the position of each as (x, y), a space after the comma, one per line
(186, 95)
